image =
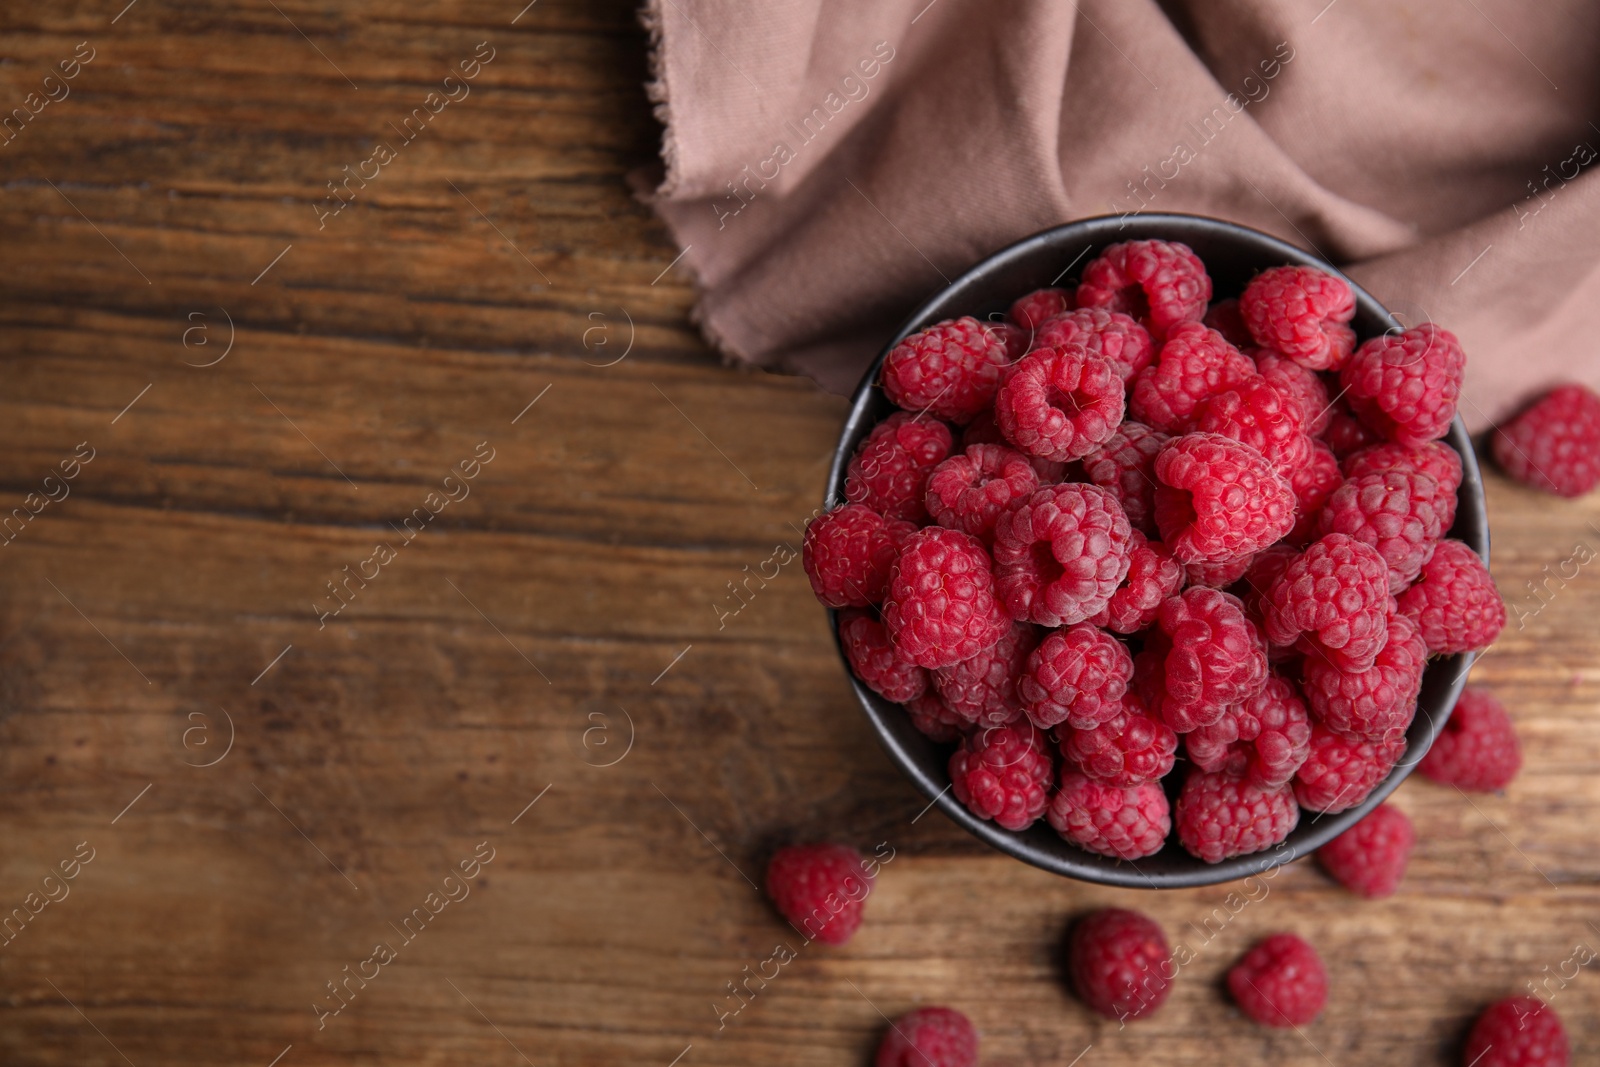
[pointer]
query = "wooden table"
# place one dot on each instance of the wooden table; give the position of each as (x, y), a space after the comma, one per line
(536, 667)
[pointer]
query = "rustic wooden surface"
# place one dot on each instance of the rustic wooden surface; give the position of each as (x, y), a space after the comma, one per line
(503, 654)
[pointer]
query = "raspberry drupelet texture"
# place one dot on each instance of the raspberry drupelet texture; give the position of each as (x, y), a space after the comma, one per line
(1280, 982)
(1346, 433)
(1125, 466)
(934, 720)
(874, 660)
(1341, 773)
(1334, 599)
(983, 689)
(1434, 458)
(1477, 749)
(941, 606)
(1126, 822)
(1077, 675)
(1554, 445)
(1216, 658)
(1376, 704)
(821, 889)
(1061, 554)
(1370, 857)
(1126, 749)
(889, 472)
(929, 1037)
(1194, 363)
(1304, 387)
(1454, 602)
(1153, 575)
(1219, 574)
(1217, 499)
(950, 370)
(1060, 403)
(1219, 816)
(1224, 317)
(1405, 386)
(1265, 738)
(1111, 335)
(848, 552)
(1312, 485)
(968, 492)
(1257, 414)
(1031, 311)
(1518, 1031)
(1302, 312)
(1003, 773)
(1393, 511)
(1119, 963)
(1161, 284)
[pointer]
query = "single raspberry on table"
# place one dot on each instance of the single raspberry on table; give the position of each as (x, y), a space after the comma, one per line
(1060, 403)
(983, 689)
(1077, 675)
(1341, 773)
(1395, 512)
(1376, 704)
(1161, 284)
(1219, 816)
(1347, 434)
(1217, 574)
(934, 720)
(821, 889)
(1405, 386)
(1125, 466)
(1477, 749)
(1265, 738)
(1312, 485)
(1111, 335)
(1061, 554)
(1127, 822)
(1216, 658)
(1280, 982)
(941, 606)
(1554, 445)
(968, 492)
(1454, 602)
(1194, 363)
(1126, 749)
(1224, 317)
(1031, 311)
(889, 472)
(1119, 963)
(1370, 857)
(1153, 575)
(929, 1037)
(950, 370)
(1255, 413)
(874, 660)
(1003, 773)
(1518, 1031)
(1302, 312)
(1217, 499)
(1333, 598)
(848, 552)
(1304, 387)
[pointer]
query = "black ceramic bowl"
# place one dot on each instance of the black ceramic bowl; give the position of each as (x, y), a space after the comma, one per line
(1232, 254)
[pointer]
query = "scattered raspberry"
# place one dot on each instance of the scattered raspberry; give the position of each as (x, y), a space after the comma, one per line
(1478, 748)
(1224, 317)
(1153, 575)
(1517, 1032)
(1159, 283)
(929, 1037)
(821, 889)
(1060, 555)
(1555, 444)
(1266, 738)
(1370, 857)
(889, 471)
(1255, 413)
(1376, 704)
(1077, 675)
(1393, 511)
(1111, 335)
(1341, 773)
(1217, 499)
(969, 491)
(934, 719)
(1280, 982)
(1312, 485)
(1125, 466)
(983, 689)
(1216, 658)
(1060, 403)
(1455, 603)
(873, 659)
(1195, 362)
(847, 554)
(1335, 593)
(1346, 433)
(1127, 822)
(1405, 386)
(1219, 816)
(941, 606)
(1003, 773)
(1296, 383)
(1126, 749)
(1119, 963)
(1303, 313)
(1030, 312)
(1217, 574)
(950, 370)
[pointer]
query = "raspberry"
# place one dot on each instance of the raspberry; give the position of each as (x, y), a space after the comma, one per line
(983, 689)
(1405, 386)
(1159, 283)
(1219, 816)
(1217, 499)
(1266, 567)
(1346, 433)
(889, 471)
(1216, 658)
(1126, 467)
(950, 370)
(1127, 822)
(821, 889)
(1030, 312)
(1370, 857)
(1280, 982)
(1434, 458)
(1266, 738)
(1119, 963)
(941, 606)
(1376, 704)
(1255, 413)
(1393, 511)
(1304, 387)
(1014, 337)
(1194, 363)
(1341, 773)
(1003, 773)
(1455, 603)
(1478, 748)
(1555, 444)
(969, 491)
(1077, 675)
(1224, 317)
(873, 659)
(1060, 555)
(847, 554)
(983, 430)
(1219, 574)
(1111, 335)
(1126, 749)
(929, 1037)
(1517, 1032)
(934, 719)
(1153, 575)
(1312, 485)
(1336, 594)
(1303, 313)
(1060, 403)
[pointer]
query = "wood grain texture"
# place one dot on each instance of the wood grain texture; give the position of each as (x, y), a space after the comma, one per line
(504, 650)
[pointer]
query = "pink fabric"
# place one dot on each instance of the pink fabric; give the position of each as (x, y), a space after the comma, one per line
(830, 163)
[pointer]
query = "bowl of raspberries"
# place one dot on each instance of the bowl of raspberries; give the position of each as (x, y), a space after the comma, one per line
(1156, 551)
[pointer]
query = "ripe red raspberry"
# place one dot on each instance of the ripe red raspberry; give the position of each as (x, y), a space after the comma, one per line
(1376, 704)
(1127, 822)
(983, 689)
(1393, 511)
(1303, 313)
(941, 606)
(1111, 335)
(1455, 603)
(821, 889)
(1217, 574)
(950, 370)
(1128, 748)
(1266, 567)
(1032, 310)
(1336, 594)
(1224, 317)
(1280, 982)
(929, 1037)
(1555, 444)
(1341, 773)
(1370, 857)
(1436, 459)
(934, 719)
(1219, 816)
(873, 659)
(1060, 403)
(969, 491)
(1153, 575)
(1077, 675)
(1217, 499)
(1346, 433)
(1304, 387)
(1477, 749)
(889, 472)
(1125, 466)
(1517, 1032)
(1060, 555)
(1313, 484)
(1119, 963)
(847, 554)
(1194, 363)
(1405, 386)
(1159, 283)
(1015, 338)
(1216, 658)
(1003, 773)
(1265, 739)
(1255, 413)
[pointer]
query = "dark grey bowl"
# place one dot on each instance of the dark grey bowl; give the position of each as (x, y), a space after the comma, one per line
(1233, 254)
